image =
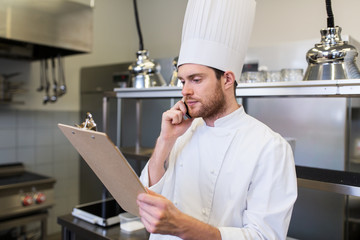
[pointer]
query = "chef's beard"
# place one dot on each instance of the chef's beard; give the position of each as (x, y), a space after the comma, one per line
(211, 107)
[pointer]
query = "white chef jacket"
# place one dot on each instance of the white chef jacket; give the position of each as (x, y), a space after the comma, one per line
(238, 176)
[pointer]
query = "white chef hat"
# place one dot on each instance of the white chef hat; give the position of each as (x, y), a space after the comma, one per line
(216, 33)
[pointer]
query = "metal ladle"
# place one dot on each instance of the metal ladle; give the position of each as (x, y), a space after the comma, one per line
(42, 76)
(53, 98)
(62, 88)
(47, 84)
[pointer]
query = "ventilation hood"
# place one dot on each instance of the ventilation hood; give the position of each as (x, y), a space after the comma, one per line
(38, 29)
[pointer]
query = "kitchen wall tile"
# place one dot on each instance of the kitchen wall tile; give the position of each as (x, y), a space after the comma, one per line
(43, 154)
(66, 169)
(44, 119)
(74, 118)
(44, 136)
(59, 137)
(74, 166)
(73, 188)
(7, 138)
(73, 154)
(45, 169)
(26, 155)
(72, 191)
(61, 170)
(26, 119)
(33, 138)
(61, 153)
(63, 208)
(58, 210)
(61, 117)
(75, 180)
(7, 118)
(60, 188)
(31, 168)
(73, 201)
(8, 155)
(25, 137)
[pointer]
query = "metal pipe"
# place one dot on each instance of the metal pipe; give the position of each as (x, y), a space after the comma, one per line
(105, 113)
(138, 125)
(118, 122)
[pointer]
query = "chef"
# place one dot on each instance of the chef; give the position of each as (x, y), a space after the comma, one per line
(220, 174)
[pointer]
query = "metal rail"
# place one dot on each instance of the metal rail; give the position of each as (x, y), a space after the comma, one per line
(318, 88)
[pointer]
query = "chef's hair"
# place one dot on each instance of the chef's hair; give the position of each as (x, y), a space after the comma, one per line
(219, 73)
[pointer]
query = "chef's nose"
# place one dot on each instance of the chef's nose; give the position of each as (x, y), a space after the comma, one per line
(186, 89)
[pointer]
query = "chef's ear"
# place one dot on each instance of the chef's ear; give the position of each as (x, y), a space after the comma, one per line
(229, 77)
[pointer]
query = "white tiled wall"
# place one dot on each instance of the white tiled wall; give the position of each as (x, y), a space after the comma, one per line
(33, 138)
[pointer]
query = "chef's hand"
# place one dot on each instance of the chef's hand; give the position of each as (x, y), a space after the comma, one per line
(173, 123)
(159, 215)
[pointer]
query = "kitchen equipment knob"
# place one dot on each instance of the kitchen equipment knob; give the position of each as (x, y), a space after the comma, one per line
(39, 198)
(27, 200)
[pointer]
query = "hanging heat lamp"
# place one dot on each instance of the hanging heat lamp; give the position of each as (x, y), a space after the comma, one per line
(332, 58)
(145, 72)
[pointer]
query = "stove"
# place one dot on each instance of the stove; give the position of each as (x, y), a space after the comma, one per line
(23, 196)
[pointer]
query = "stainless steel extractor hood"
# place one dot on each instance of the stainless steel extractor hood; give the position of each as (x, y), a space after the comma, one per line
(38, 29)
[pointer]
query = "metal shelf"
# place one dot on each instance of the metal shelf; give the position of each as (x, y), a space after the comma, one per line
(330, 88)
(10, 102)
(342, 182)
(329, 187)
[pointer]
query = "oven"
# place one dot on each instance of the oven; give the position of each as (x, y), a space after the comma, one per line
(25, 199)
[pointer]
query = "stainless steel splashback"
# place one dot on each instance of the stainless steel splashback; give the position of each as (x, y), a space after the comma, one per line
(37, 29)
(319, 127)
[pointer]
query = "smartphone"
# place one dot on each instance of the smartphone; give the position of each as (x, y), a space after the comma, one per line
(187, 115)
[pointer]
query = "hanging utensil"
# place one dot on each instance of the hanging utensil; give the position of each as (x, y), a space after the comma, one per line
(62, 87)
(42, 76)
(47, 83)
(53, 98)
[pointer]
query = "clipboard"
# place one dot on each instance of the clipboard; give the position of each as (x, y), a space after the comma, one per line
(108, 163)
